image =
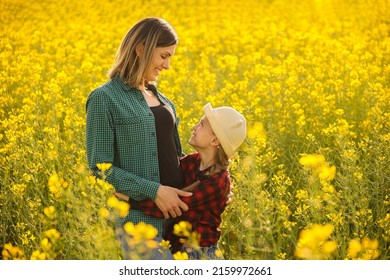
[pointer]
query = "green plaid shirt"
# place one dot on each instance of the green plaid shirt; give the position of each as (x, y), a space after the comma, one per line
(120, 129)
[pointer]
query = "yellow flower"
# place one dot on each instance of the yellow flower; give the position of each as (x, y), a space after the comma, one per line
(336, 218)
(19, 189)
(91, 180)
(180, 256)
(257, 132)
(38, 255)
(365, 250)
(183, 228)
(313, 243)
(281, 256)
(103, 212)
(112, 201)
(105, 185)
(104, 166)
(123, 208)
(56, 185)
(370, 244)
(151, 244)
(45, 244)
(141, 231)
(302, 194)
(354, 248)
(12, 252)
(165, 244)
(312, 161)
(53, 234)
(50, 212)
(326, 172)
(329, 247)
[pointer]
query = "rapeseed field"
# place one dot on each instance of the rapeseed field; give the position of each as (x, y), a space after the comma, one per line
(312, 77)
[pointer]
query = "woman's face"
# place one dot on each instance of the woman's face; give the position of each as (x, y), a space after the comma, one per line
(160, 61)
(202, 134)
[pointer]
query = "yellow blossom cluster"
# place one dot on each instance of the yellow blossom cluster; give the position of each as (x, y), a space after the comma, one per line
(12, 252)
(122, 206)
(319, 168)
(314, 243)
(366, 249)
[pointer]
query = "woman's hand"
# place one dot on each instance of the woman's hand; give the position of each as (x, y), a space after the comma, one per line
(168, 201)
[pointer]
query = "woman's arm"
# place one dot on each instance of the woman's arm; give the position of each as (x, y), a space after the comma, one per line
(148, 207)
(212, 192)
(100, 149)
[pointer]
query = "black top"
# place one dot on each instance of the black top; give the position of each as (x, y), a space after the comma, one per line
(169, 164)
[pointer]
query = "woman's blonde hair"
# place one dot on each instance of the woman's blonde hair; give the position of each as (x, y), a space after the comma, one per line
(149, 33)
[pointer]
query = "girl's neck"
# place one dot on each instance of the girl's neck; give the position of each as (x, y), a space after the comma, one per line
(207, 159)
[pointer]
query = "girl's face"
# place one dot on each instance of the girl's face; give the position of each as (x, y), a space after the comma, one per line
(202, 134)
(160, 61)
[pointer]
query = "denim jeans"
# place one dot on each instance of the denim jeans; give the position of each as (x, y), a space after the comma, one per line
(141, 251)
(203, 253)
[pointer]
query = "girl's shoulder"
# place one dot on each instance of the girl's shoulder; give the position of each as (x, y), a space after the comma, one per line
(191, 157)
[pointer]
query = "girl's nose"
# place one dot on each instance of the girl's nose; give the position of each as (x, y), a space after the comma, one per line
(195, 127)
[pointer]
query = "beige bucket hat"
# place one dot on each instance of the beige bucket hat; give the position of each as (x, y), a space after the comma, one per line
(228, 125)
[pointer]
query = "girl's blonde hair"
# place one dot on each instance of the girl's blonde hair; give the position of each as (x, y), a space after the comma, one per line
(222, 162)
(222, 159)
(149, 33)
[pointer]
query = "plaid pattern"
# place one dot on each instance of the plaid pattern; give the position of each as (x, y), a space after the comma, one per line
(120, 129)
(205, 205)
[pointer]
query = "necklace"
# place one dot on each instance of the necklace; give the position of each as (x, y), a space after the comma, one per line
(145, 91)
(204, 171)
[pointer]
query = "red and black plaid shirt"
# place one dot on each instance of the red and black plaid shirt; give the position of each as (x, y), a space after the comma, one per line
(205, 205)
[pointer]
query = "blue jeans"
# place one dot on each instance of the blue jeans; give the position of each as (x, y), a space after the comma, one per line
(141, 251)
(204, 253)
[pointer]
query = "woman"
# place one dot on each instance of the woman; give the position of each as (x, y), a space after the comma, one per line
(129, 121)
(215, 138)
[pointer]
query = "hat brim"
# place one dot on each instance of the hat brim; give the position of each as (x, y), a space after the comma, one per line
(218, 131)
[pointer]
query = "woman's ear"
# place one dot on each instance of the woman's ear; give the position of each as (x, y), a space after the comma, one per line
(139, 49)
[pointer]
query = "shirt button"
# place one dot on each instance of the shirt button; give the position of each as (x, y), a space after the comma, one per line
(155, 173)
(154, 154)
(153, 134)
(150, 114)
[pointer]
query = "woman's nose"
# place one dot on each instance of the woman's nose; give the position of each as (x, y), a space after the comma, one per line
(166, 64)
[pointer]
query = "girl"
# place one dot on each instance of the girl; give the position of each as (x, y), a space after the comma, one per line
(215, 138)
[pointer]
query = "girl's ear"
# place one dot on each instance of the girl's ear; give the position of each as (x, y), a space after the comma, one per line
(215, 142)
(139, 49)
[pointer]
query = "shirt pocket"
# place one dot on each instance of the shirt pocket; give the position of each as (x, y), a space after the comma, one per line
(129, 131)
(128, 121)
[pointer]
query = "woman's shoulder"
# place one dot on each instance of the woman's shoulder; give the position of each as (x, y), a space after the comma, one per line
(110, 90)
